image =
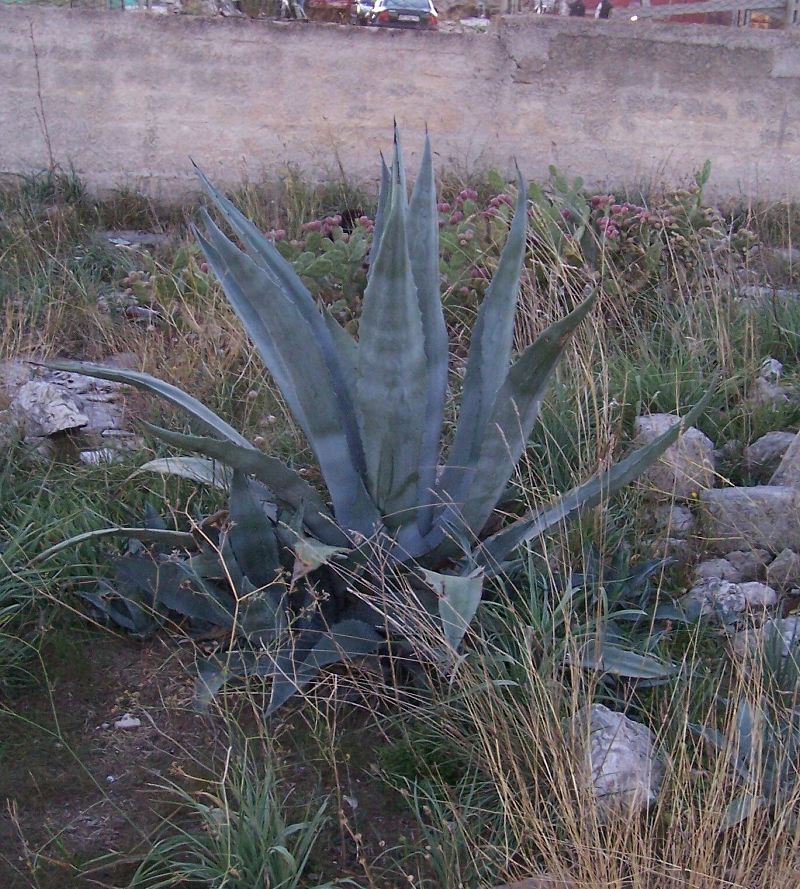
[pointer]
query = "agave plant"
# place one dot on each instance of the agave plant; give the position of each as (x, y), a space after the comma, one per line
(399, 516)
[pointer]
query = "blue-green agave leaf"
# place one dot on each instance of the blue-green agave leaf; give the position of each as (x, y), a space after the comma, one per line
(268, 258)
(459, 598)
(181, 590)
(312, 554)
(489, 355)
(392, 377)
(344, 641)
(423, 243)
(284, 483)
(206, 419)
(384, 196)
(347, 347)
(180, 539)
(251, 535)
(496, 549)
(515, 411)
(196, 469)
(285, 341)
(606, 657)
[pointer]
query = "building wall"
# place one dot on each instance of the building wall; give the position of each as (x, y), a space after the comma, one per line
(129, 98)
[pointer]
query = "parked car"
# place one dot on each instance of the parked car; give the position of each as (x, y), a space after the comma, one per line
(359, 12)
(403, 14)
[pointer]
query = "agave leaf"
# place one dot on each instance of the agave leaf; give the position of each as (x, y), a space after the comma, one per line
(251, 535)
(459, 598)
(384, 194)
(205, 418)
(344, 640)
(176, 587)
(347, 348)
(180, 539)
(392, 377)
(495, 549)
(311, 554)
(196, 469)
(268, 258)
(513, 416)
(214, 673)
(284, 483)
(127, 611)
(745, 749)
(489, 353)
(740, 808)
(261, 613)
(285, 341)
(398, 195)
(423, 244)
(606, 657)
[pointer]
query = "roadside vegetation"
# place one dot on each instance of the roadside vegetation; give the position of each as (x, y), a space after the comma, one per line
(139, 746)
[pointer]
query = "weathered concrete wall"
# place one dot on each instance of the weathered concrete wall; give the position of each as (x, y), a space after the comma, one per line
(128, 98)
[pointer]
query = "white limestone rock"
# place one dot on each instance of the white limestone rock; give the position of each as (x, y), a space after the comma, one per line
(46, 409)
(623, 769)
(759, 517)
(685, 468)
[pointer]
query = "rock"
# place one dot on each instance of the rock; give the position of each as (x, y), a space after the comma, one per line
(672, 548)
(127, 722)
(784, 571)
(717, 569)
(788, 471)
(757, 595)
(13, 376)
(764, 393)
(784, 634)
(764, 454)
(761, 517)
(545, 881)
(727, 599)
(730, 451)
(750, 563)
(685, 468)
(760, 295)
(626, 773)
(132, 238)
(78, 384)
(45, 409)
(771, 370)
(673, 520)
(95, 458)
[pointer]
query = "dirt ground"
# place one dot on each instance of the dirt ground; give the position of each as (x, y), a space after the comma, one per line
(78, 794)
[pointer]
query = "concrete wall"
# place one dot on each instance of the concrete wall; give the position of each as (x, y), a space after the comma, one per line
(128, 98)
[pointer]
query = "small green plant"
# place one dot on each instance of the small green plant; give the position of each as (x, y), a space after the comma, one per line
(401, 551)
(236, 834)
